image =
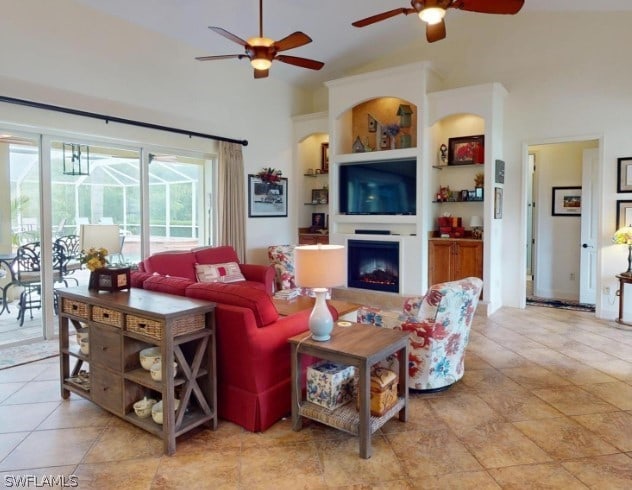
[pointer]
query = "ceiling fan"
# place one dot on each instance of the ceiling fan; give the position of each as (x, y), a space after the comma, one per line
(432, 13)
(262, 50)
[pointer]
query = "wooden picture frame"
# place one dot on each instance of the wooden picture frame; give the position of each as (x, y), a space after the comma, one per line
(320, 196)
(498, 202)
(566, 201)
(318, 222)
(267, 199)
(466, 150)
(624, 214)
(624, 174)
(324, 158)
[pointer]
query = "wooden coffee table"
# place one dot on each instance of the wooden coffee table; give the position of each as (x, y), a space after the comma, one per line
(361, 346)
(289, 307)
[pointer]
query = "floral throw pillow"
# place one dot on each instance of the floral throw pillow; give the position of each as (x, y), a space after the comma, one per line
(227, 272)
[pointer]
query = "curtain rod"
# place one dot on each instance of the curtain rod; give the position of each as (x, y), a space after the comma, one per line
(107, 119)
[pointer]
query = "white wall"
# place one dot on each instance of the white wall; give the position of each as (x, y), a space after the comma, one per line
(60, 53)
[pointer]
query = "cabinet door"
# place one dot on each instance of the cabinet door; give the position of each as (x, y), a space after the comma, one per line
(440, 262)
(105, 347)
(468, 260)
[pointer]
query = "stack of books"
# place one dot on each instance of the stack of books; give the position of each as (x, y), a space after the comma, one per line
(287, 294)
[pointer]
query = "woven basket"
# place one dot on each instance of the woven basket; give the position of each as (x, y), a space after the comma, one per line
(155, 328)
(107, 316)
(75, 308)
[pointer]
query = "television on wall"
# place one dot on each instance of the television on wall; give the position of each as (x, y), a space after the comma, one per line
(381, 187)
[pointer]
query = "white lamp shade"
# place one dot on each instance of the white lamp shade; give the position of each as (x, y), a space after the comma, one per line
(476, 222)
(320, 266)
(101, 236)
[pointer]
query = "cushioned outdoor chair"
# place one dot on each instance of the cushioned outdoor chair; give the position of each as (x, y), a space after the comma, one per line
(439, 325)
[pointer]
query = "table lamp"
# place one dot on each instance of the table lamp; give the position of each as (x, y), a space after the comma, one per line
(624, 236)
(476, 223)
(320, 267)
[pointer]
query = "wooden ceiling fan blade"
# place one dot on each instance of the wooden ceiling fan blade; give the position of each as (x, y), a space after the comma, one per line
(294, 40)
(435, 32)
(302, 62)
(220, 57)
(228, 35)
(261, 73)
(383, 16)
(509, 7)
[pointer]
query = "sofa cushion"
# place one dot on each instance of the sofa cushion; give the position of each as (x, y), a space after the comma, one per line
(170, 285)
(256, 300)
(137, 278)
(226, 272)
(178, 264)
(215, 255)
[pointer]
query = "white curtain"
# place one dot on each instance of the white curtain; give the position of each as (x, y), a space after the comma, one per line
(231, 198)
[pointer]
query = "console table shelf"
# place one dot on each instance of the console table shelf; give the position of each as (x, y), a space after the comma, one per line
(117, 380)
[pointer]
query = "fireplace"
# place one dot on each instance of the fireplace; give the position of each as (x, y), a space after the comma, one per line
(373, 265)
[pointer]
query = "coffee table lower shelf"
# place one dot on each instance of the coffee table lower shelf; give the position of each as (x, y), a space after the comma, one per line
(347, 418)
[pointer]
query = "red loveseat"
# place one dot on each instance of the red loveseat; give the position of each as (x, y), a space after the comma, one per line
(253, 353)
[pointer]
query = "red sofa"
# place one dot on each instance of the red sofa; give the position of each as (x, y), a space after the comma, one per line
(253, 354)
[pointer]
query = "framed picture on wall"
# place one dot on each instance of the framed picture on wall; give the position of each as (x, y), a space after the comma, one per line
(566, 201)
(466, 150)
(324, 158)
(624, 174)
(267, 199)
(624, 214)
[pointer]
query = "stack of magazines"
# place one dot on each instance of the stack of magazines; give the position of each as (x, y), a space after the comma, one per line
(287, 294)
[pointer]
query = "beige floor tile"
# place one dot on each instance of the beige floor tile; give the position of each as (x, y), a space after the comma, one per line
(212, 471)
(7, 389)
(420, 417)
(25, 372)
(518, 405)
(613, 427)
(472, 480)
(611, 472)
(483, 379)
(547, 475)
(531, 377)
(34, 392)
(564, 438)
(618, 369)
(123, 443)
(465, 411)
(76, 412)
(290, 464)
(15, 418)
(497, 445)
(427, 453)
(124, 475)
(341, 463)
(9, 441)
(227, 436)
(573, 400)
(51, 448)
(616, 393)
(279, 434)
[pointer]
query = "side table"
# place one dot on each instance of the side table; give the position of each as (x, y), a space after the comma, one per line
(623, 280)
(361, 346)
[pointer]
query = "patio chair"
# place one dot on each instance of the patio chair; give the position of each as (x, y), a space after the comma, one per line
(67, 249)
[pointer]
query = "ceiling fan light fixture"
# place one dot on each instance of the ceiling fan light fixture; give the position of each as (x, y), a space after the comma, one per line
(432, 15)
(260, 63)
(266, 42)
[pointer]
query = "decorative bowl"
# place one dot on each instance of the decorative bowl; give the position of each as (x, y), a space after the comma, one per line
(84, 345)
(143, 407)
(149, 356)
(156, 410)
(156, 370)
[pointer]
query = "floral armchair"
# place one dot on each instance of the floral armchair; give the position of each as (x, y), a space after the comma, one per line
(282, 259)
(439, 325)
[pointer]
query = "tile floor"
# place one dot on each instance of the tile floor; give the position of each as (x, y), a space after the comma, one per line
(546, 402)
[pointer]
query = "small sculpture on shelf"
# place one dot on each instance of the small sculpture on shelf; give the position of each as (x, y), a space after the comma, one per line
(443, 155)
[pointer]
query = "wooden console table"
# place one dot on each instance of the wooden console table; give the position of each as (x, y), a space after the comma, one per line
(120, 325)
(361, 346)
(623, 280)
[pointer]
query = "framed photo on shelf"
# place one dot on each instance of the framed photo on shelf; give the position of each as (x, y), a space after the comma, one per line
(566, 201)
(324, 158)
(466, 150)
(624, 214)
(624, 174)
(320, 196)
(498, 202)
(318, 222)
(267, 199)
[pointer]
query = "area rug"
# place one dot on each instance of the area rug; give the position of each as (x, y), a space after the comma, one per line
(556, 303)
(23, 354)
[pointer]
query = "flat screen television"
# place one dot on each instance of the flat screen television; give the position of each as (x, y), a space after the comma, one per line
(387, 187)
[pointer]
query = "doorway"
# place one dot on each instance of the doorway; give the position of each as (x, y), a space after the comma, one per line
(561, 217)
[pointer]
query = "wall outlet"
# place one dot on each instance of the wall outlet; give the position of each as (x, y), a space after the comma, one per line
(606, 291)
(572, 276)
